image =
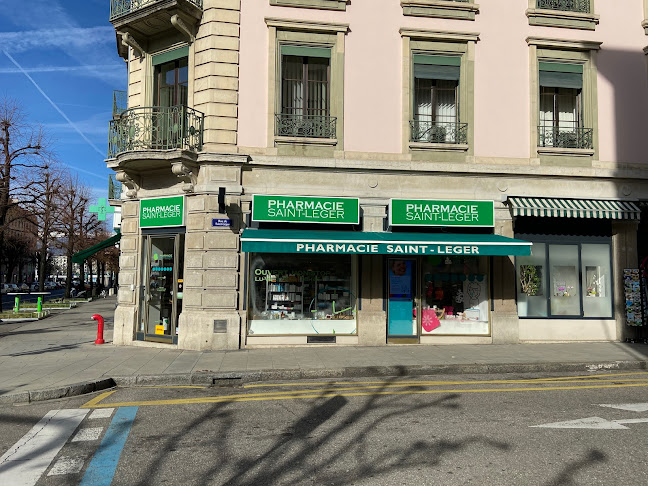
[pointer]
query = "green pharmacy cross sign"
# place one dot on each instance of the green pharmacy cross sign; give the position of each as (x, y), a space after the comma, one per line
(102, 209)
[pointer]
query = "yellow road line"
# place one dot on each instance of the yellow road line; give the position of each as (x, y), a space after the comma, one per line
(406, 383)
(331, 393)
(164, 386)
(95, 401)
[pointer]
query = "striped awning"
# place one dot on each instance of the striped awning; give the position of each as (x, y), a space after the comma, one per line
(573, 208)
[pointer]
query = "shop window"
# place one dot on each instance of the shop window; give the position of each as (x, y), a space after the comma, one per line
(565, 280)
(436, 90)
(302, 295)
(305, 93)
(454, 298)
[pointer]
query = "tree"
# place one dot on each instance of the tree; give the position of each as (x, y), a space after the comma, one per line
(74, 198)
(21, 147)
(46, 194)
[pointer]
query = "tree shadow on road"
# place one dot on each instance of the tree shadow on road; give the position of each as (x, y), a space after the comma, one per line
(333, 442)
(567, 476)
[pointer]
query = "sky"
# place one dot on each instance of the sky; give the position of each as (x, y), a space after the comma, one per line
(59, 62)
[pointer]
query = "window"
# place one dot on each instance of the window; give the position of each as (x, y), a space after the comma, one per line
(561, 111)
(565, 280)
(568, 14)
(171, 83)
(564, 109)
(306, 87)
(438, 99)
(436, 90)
(305, 93)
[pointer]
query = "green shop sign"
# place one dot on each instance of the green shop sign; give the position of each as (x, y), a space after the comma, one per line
(306, 209)
(423, 212)
(162, 212)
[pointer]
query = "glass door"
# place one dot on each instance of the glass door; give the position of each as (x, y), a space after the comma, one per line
(402, 322)
(162, 293)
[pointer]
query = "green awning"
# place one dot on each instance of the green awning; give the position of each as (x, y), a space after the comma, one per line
(573, 208)
(396, 244)
(88, 252)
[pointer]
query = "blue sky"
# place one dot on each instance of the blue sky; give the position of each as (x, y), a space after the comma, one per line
(68, 48)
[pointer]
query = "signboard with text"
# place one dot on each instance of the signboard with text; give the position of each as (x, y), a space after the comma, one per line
(423, 212)
(306, 209)
(162, 212)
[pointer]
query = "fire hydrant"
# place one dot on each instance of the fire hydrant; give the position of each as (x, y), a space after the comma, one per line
(100, 328)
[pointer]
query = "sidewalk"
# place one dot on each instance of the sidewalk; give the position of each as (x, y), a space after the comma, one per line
(57, 357)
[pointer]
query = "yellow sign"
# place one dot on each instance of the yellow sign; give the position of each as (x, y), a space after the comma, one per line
(159, 329)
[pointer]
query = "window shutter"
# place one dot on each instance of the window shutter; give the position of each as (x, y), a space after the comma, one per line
(171, 55)
(437, 67)
(559, 75)
(306, 51)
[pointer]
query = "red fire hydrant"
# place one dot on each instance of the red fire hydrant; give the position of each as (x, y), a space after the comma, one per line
(100, 326)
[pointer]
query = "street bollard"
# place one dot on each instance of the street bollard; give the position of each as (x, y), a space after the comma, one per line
(17, 303)
(100, 328)
(39, 304)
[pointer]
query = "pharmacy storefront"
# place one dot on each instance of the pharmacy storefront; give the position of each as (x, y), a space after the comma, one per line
(162, 223)
(306, 258)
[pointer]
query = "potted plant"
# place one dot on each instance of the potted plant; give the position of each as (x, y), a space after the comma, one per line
(531, 279)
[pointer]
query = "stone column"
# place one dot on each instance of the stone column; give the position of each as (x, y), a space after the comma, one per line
(130, 248)
(372, 318)
(210, 315)
(624, 255)
(504, 318)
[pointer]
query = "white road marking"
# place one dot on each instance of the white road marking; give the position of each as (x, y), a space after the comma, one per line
(88, 434)
(584, 423)
(101, 413)
(26, 461)
(632, 407)
(67, 465)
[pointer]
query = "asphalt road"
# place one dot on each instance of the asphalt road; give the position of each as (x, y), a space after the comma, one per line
(423, 430)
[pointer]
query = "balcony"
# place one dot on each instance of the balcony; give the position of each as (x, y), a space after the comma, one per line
(565, 137)
(305, 126)
(142, 19)
(156, 129)
(580, 6)
(432, 131)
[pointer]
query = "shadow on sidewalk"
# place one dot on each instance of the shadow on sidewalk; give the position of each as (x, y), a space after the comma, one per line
(50, 349)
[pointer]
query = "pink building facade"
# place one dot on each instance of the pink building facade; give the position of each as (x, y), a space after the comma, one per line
(317, 172)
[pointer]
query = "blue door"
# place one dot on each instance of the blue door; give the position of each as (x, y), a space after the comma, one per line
(401, 315)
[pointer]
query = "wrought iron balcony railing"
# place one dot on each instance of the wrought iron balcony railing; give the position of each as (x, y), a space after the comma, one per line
(432, 131)
(120, 102)
(156, 128)
(581, 6)
(565, 137)
(119, 8)
(307, 126)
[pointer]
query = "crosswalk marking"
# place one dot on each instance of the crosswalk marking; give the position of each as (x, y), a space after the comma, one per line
(101, 413)
(26, 461)
(88, 434)
(67, 465)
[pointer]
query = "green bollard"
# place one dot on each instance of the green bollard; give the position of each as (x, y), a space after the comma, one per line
(17, 304)
(39, 305)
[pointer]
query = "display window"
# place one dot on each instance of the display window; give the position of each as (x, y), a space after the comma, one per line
(293, 294)
(565, 280)
(454, 296)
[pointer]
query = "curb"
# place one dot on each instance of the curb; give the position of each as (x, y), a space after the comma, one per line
(235, 378)
(59, 392)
